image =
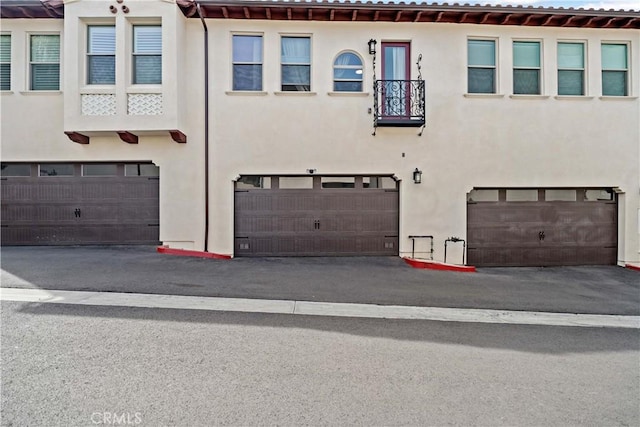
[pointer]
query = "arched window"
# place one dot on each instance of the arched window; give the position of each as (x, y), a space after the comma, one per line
(347, 73)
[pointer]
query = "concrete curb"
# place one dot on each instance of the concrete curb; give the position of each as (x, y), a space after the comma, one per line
(433, 265)
(309, 308)
(633, 267)
(184, 252)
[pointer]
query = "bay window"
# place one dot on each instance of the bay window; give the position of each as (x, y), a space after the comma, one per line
(147, 54)
(101, 55)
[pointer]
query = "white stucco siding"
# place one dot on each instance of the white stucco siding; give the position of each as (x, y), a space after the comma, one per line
(538, 141)
(498, 141)
(33, 128)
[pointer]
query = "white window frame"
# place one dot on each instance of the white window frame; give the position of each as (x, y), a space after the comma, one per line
(540, 68)
(30, 63)
(629, 80)
(6, 34)
(495, 67)
(87, 55)
(310, 64)
(585, 74)
(261, 63)
(132, 53)
(347, 67)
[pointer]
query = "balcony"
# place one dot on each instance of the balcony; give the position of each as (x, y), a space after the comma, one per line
(399, 103)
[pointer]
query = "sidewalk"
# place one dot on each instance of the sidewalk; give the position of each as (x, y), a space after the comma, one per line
(389, 281)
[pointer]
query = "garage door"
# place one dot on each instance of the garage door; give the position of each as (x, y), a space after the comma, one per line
(542, 227)
(61, 204)
(316, 216)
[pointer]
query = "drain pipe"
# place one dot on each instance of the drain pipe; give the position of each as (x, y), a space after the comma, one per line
(206, 128)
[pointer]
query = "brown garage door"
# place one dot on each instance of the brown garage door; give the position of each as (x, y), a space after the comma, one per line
(60, 204)
(316, 216)
(541, 227)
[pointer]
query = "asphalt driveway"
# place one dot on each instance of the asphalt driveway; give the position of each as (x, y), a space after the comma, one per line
(372, 280)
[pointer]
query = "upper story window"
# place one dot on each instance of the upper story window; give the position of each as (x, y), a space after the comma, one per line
(347, 73)
(481, 59)
(615, 69)
(5, 62)
(296, 64)
(571, 69)
(247, 62)
(44, 62)
(101, 55)
(147, 54)
(526, 68)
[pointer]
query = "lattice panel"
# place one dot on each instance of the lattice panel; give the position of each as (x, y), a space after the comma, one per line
(145, 104)
(99, 105)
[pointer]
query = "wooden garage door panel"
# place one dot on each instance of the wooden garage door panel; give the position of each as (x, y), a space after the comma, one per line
(80, 210)
(314, 222)
(542, 233)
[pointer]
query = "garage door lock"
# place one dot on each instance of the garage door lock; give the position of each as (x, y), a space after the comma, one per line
(541, 235)
(77, 213)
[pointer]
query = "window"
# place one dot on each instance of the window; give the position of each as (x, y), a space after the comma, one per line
(147, 54)
(101, 55)
(526, 68)
(254, 182)
(571, 69)
(97, 169)
(560, 195)
(378, 182)
(524, 195)
(247, 63)
(347, 73)
(44, 62)
(481, 59)
(5, 62)
(56, 169)
(338, 182)
(296, 182)
(141, 169)
(296, 64)
(614, 70)
(15, 169)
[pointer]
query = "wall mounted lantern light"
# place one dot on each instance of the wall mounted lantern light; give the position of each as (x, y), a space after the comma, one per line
(417, 176)
(372, 47)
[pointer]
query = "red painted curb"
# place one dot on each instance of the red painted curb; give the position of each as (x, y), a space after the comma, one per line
(432, 265)
(184, 252)
(632, 267)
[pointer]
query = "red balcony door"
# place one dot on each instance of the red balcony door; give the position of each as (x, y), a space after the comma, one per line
(396, 71)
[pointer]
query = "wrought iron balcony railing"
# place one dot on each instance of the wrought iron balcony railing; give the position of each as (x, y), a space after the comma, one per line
(399, 103)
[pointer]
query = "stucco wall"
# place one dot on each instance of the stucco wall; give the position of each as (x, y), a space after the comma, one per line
(33, 126)
(468, 141)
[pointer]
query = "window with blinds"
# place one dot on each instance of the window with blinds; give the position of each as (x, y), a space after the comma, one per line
(101, 55)
(571, 69)
(615, 69)
(526, 68)
(44, 62)
(481, 71)
(147, 54)
(5, 62)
